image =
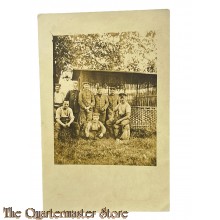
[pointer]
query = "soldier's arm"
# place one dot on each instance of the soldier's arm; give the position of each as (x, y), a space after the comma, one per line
(71, 117)
(116, 108)
(103, 129)
(92, 100)
(67, 98)
(81, 101)
(106, 103)
(58, 118)
(128, 114)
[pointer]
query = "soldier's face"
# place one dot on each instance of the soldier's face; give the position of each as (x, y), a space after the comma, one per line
(75, 85)
(99, 91)
(112, 91)
(57, 88)
(86, 86)
(65, 104)
(122, 99)
(95, 118)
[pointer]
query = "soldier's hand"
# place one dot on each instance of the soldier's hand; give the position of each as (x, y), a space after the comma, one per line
(101, 135)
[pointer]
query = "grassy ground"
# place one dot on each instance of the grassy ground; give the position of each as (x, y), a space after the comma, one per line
(136, 151)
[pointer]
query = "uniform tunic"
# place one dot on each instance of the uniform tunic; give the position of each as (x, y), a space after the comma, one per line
(101, 101)
(73, 97)
(86, 99)
(113, 102)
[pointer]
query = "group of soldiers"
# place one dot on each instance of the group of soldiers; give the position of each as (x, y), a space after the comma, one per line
(91, 116)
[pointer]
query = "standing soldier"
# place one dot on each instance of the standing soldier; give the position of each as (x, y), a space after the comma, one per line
(113, 100)
(86, 102)
(73, 97)
(58, 97)
(101, 104)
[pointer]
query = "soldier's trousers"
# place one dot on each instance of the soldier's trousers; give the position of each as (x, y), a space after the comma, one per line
(124, 128)
(84, 116)
(74, 129)
(102, 115)
(121, 130)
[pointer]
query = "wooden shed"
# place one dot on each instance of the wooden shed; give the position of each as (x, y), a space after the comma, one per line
(141, 90)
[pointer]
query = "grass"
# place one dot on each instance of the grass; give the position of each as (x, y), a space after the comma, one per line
(137, 151)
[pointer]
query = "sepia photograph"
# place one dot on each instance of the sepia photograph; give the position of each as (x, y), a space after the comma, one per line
(105, 109)
(105, 98)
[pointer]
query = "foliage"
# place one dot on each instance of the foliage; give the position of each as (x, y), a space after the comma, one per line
(125, 51)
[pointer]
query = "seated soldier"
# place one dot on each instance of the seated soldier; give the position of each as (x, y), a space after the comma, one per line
(95, 128)
(121, 125)
(65, 119)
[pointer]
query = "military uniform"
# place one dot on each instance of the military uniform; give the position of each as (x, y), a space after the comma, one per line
(113, 100)
(101, 104)
(73, 97)
(86, 99)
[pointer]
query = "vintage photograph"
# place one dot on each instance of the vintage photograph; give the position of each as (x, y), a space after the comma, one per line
(105, 98)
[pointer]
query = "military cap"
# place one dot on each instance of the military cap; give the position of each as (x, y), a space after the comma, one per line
(57, 84)
(112, 88)
(121, 94)
(84, 83)
(96, 114)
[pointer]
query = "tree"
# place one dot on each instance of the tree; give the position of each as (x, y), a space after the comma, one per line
(125, 51)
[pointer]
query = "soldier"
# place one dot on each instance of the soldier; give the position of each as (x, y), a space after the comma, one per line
(113, 100)
(95, 128)
(65, 119)
(73, 97)
(66, 79)
(122, 124)
(101, 104)
(58, 97)
(86, 102)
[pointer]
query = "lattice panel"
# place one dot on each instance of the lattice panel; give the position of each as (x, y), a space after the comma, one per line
(144, 117)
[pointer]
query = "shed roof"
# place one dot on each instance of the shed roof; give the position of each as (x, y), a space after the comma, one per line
(113, 71)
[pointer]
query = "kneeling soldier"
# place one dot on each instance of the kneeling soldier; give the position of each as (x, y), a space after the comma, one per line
(65, 119)
(121, 125)
(95, 128)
